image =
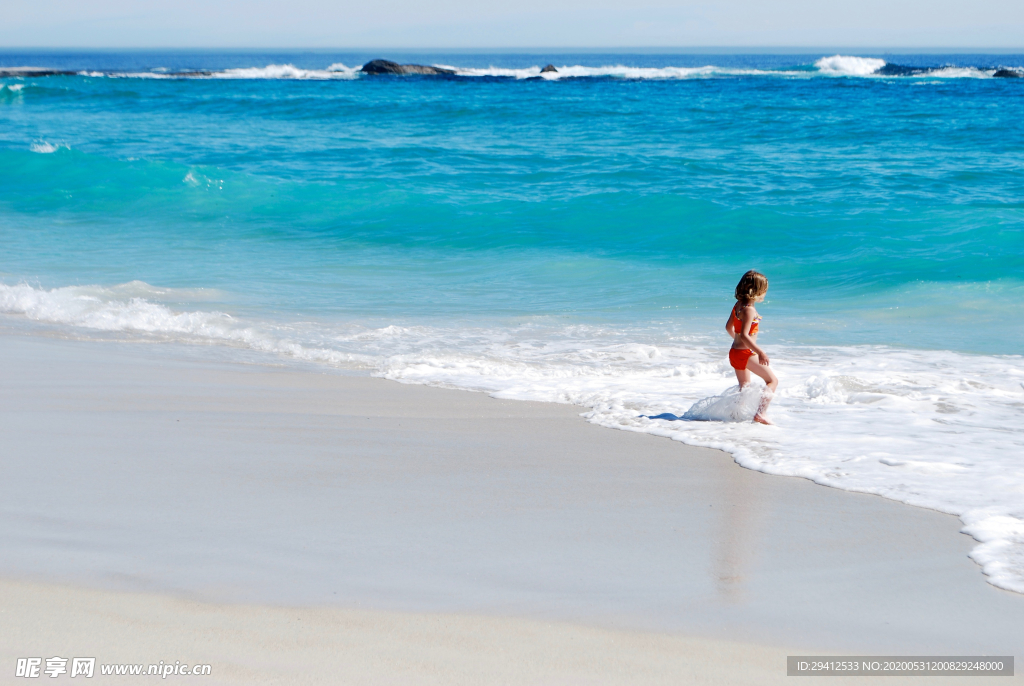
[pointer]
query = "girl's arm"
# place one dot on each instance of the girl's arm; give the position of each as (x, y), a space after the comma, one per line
(729, 327)
(744, 336)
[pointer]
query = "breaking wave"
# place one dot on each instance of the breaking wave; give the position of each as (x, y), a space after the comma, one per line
(46, 148)
(842, 65)
(834, 65)
(286, 72)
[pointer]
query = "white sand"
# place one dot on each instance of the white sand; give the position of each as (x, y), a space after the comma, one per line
(535, 540)
(271, 645)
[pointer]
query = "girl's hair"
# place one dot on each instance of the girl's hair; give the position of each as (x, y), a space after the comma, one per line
(751, 287)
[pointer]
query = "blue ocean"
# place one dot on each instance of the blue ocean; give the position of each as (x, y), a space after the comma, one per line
(568, 236)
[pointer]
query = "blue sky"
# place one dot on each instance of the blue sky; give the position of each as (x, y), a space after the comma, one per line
(523, 23)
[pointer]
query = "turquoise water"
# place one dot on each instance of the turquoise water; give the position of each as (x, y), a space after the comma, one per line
(573, 239)
(600, 199)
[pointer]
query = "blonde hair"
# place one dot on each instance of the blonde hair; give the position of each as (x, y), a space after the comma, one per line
(752, 286)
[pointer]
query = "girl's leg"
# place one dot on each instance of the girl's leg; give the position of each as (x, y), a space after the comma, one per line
(770, 380)
(742, 376)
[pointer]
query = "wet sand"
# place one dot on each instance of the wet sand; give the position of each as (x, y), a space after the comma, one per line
(159, 504)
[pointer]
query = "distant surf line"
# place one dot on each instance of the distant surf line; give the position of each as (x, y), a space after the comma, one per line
(830, 66)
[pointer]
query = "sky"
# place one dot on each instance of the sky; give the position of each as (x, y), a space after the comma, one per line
(522, 23)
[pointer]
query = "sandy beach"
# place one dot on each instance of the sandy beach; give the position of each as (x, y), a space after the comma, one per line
(287, 525)
(247, 644)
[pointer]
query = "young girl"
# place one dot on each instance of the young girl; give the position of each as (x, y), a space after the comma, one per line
(742, 326)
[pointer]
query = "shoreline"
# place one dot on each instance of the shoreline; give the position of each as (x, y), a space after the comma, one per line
(904, 424)
(135, 469)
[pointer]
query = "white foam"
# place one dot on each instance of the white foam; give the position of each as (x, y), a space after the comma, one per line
(835, 65)
(129, 308)
(47, 148)
(936, 429)
(287, 71)
(342, 71)
(133, 75)
(617, 72)
(195, 180)
(956, 73)
(734, 405)
(13, 87)
(844, 65)
(271, 71)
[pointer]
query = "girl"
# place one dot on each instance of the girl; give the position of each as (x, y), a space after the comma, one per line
(742, 326)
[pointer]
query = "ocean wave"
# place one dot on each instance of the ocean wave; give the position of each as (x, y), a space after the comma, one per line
(47, 148)
(616, 72)
(130, 308)
(957, 73)
(844, 65)
(286, 72)
(338, 71)
(834, 65)
(935, 429)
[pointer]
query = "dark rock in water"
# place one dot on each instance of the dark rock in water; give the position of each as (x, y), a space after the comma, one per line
(33, 71)
(900, 70)
(550, 69)
(388, 67)
(382, 67)
(1007, 74)
(28, 72)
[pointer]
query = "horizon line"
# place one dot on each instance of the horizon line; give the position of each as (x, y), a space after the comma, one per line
(704, 49)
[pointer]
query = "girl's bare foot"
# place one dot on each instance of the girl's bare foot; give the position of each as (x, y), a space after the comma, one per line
(761, 420)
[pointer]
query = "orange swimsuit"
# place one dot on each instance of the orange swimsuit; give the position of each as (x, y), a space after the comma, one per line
(738, 357)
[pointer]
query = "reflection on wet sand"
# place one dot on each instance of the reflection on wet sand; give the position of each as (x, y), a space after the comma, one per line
(739, 516)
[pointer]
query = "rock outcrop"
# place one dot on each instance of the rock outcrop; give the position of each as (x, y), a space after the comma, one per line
(1007, 74)
(549, 69)
(389, 67)
(899, 70)
(33, 71)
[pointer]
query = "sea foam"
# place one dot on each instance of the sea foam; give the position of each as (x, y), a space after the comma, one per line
(844, 65)
(957, 73)
(46, 148)
(288, 71)
(615, 72)
(835, 65)
(130, 308)
(285, 72)
(936, 429)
